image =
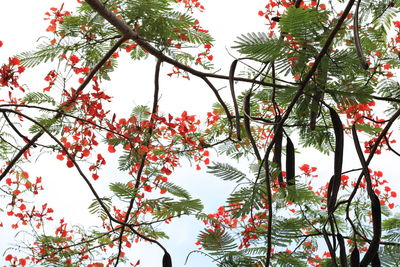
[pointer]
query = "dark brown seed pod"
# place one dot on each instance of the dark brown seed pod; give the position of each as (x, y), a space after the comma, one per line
(357, 42)
(290, 162)
(277, 158)
(246, 120)
(376, 262)
(322, 78)
(339, 142)
(166, 261)
(329, 193)
(355, 258)
(235, 105)
(276, 19)
(377, 231)
(314, 109)
(343, 258)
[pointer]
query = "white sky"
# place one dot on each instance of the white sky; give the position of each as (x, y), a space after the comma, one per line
(22, 23)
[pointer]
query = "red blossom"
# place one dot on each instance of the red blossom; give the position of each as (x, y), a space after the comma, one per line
(147, 188)
(111, 149)
(15, 61)
(74, 59)
(166, 170)
(307, 170)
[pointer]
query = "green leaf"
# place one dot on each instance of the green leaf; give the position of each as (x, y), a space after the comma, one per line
(96, 208)
(123, 191)
(176, 190)
(38, 98)
(217, 240)
(259, 46)
(226, 172)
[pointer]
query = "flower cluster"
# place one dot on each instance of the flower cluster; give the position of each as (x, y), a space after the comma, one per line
(9, 74)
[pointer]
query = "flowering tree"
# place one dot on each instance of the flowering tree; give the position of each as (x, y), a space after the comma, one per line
(314, 77)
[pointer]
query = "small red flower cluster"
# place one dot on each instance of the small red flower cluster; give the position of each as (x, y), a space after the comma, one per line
(9, 74)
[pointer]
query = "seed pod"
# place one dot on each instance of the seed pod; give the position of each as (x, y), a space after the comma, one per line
(166, 261)
(355, 258)
(338, 128)
(377, 231)
(246, 120)
(322, 78)
(329, 193)
(276, 19)
(357, 42)
(290, 163)
(376, 262)
(314, 109)
(278, 154)
(343, 258)
(235, 105)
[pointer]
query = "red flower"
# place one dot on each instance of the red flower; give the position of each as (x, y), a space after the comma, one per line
(1, 43)
(307, 170)
(21, 69)
(9, 257)
(15, 61)
(111, 149)
(147, 188)
(74, 59)
(166, 171)
(22, 262)
(327, 254)
(70, 164)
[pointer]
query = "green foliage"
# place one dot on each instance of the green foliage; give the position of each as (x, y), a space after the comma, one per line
(303, 24)
(286, 259)
(176, 190)
(38, 98)
(321, 139)
(53, 125)
(96, 208)
(389, 256)
(226, 172)
(259, 46)
(217, 240)
(42, 54)
(141, 112)
(392, 229)
(166, 207)
(123, 191)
